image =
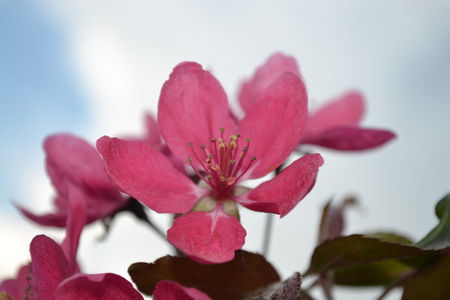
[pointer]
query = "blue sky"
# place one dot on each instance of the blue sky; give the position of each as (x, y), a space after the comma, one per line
(94, 68)
(39, 95)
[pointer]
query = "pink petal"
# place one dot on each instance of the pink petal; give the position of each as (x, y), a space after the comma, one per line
(207, 237)
(169, 290)
(192, 108)
(15, 288)
(153, 138)
(281, 194)
(147, 175)
(96, 287)
(69, 157)
(276, 65)
(49, 265)
(57, 219)
(347, 110)
(76, 220)
(353, 138)
(275, 123)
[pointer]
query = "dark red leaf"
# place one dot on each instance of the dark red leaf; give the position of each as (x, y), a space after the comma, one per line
(236, 279)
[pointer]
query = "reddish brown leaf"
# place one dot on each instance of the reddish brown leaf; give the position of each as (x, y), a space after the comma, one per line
(236, 279)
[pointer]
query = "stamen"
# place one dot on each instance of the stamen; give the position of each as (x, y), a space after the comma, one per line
(241, 160)
(221, 153)
(214, 147)
(237, 144)
(203, 147)
(196, 156)
(231, 167)
(189, 160)
(252, 159)
(227, 157)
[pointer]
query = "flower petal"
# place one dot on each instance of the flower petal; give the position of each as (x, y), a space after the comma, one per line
(207, 237)
(71, 158)
(153, 137)
(147, 175)
(169, 290)
(15, 288)
(192, 108)
(49, 265)
(281, 194)
(57, 219)
(76, 220)
(352, 138)
(276, 65)
(96, 287)
(347, 110)
(275, 123)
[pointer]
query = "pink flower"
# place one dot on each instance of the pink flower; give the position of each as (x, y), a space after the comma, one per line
(336, 125)
(169, 290)
(195, 122)
(54, 272)
(71, 159)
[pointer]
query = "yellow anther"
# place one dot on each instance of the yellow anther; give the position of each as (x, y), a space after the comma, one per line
(233, 144)
(245, 149)
(210, 156)
(249, 140)
(189, 159)
(222, 129)
(221, 145)
(223, 179)
(252, 158)
(209, 177)
(203, 147)
(233, 162)
(220, 140)
(189, 144)
(213, 140)
(233, 137)
(208, 160)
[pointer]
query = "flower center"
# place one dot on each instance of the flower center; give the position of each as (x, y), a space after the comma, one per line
(222, 164)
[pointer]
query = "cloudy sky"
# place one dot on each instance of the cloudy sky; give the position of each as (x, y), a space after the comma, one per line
(94, 67)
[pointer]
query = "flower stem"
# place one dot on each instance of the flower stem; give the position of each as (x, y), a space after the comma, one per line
(269, 222)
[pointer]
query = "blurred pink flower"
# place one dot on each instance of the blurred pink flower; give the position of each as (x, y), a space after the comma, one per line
(54, 273)
(336, 125)
(71, 159)
(165, 290)
(195, 122)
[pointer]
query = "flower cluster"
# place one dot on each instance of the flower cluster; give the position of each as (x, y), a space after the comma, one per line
(198, 174)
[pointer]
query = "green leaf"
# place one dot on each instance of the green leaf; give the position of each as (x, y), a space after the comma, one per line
(354, 250)
(439, 237)
(390, 237)
(372, 274)
(236, 279)
(432, 282)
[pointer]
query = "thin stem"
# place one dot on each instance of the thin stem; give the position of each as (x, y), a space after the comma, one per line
(398, 282)
(138, 210)
(269, 222)
(268, 233)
